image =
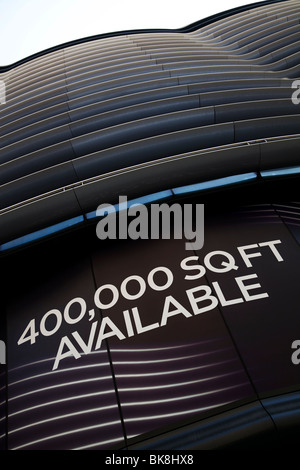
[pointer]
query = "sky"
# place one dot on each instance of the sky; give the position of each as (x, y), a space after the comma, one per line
(30, 26)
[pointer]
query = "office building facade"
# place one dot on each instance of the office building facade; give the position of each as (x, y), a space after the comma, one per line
(126, 343)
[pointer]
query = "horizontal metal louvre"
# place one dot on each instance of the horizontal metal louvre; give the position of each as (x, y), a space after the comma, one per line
(111, 103)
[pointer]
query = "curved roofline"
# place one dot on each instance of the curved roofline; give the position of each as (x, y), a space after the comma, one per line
(186, 29)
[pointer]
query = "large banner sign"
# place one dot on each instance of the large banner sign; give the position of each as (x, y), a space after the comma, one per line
(201, 299)
(111, 340)
(3, 395)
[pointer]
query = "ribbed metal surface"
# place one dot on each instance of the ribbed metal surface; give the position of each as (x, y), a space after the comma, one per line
(3, 405)
(76, 408)
(112, 103)
(55, 410)
(108, 104)
(160, 386)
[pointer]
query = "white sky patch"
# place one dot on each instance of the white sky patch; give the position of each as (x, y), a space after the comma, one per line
(31, 26)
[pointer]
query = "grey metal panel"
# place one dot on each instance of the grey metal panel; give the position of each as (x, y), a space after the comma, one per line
(38, 118)
(43, 213)
(167, 58)
(153, 148)
(248, 19)
(278, 43)
(141, 129)
(255, 109)
(287, 53)
(42, 102)
(207, 65)
(37, 183)
(35, 93)
(121, 91)
(163, 174)
(284, 411)
(116, 83)
(215, 70)
(91, 63)
(129, 99)
(99, 68)
(132, 113)
(242, 33)
(227, 76)
(260, 35)
(237, 84)
(18, 130)
(35, 80)
(242, 427)
(266, 127)
(168, 173)
(35, 142)
(109, 78)
(243, 95)
(32, 70)
(36, 161)
(280, 153)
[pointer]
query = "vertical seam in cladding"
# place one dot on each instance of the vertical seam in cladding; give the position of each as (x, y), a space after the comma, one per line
(122, 421)
(260, 157)
(6, 380)
(199, 100)
(232, 339)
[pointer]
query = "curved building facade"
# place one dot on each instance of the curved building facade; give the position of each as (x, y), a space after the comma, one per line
(126, 343)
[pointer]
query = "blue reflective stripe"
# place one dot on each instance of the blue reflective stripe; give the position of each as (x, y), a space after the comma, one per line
(139, 200)
(228, 180)
(42, 233)
(292, 170)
